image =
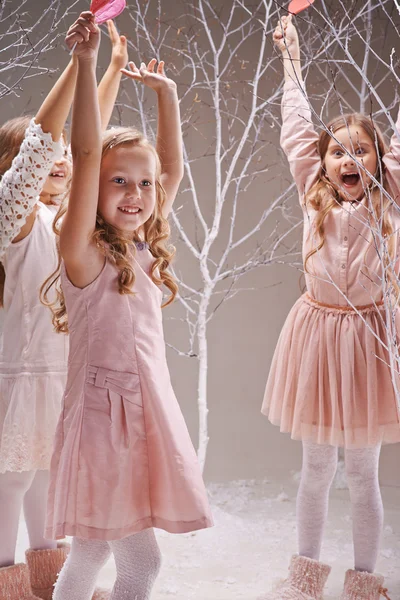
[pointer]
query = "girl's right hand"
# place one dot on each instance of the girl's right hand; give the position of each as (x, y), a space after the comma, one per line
(86, 34)
(285, 37)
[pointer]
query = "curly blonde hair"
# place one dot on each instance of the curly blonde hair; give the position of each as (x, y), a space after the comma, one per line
(323, 196)
(116, 247)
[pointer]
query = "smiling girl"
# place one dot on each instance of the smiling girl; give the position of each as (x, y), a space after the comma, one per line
(123, 461)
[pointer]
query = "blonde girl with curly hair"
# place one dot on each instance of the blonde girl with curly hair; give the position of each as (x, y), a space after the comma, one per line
(123, 461)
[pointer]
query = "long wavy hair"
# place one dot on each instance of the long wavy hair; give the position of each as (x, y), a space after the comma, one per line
(115, 246)
(12, 135)
(323, 196)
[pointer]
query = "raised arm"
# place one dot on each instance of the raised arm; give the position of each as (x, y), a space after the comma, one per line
(109, 85)
(286, 40)
(169, 131)
(54, 111)
(392, 162)
(169, 139)
(298, 136)
(82, 259)
(22, 184)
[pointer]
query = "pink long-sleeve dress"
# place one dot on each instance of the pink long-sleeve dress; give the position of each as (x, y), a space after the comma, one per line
(123, 460)
(330, 381)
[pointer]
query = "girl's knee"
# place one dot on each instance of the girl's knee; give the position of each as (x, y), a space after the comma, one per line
(15, 484)
(319, 465)
(95, 552)
(362, 467)
(152, 551)
(140, 550)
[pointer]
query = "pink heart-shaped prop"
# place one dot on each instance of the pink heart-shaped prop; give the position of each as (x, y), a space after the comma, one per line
(109, 10)
(297, 6)
(97, 5)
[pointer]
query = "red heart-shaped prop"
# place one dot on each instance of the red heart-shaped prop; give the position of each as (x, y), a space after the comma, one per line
(110, 10)
(97, 5)
(297, 6)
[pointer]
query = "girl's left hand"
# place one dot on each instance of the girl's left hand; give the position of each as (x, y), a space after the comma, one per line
(119, 56)
(154, 79)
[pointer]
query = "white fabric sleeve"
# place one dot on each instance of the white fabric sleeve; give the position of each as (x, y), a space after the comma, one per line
(22, 184)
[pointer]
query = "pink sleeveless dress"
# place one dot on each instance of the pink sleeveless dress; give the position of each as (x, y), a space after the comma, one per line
(123, 460)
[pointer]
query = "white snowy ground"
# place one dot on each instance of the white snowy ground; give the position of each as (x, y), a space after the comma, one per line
(249, 549)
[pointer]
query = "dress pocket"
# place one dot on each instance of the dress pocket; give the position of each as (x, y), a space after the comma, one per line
(97, 399)
(113, 406)
(123, 383)
(113, 457)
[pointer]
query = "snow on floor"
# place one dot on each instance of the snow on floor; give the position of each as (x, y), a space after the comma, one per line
(249, 549)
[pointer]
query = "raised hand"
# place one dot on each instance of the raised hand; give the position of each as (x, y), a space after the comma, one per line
(119, 56)
(155, 79)
(86, 35)
(285, 37)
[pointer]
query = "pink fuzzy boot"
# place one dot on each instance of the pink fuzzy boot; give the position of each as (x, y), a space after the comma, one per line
(306, 581)
(44, 567)
(359, 585)
(15, 584)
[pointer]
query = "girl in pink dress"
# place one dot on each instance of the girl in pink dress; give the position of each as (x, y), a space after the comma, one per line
(330, 382)
(35, 171)
(123, 461)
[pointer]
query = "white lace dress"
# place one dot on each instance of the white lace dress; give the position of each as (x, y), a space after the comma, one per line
(32, 356)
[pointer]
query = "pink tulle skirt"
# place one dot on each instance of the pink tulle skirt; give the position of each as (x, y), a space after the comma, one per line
(330, 380)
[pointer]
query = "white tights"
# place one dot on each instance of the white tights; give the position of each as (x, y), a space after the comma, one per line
(319, 468)
(137, 559)
(28, 490)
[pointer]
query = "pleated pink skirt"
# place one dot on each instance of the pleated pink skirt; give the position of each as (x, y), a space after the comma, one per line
(330, 380)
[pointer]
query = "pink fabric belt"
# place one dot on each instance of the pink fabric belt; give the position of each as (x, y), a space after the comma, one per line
(343, 309)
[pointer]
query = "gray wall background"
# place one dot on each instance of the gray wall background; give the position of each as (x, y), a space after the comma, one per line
(242, 337)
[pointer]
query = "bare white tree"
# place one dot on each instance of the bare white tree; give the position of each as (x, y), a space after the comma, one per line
(228, 109)
(228, 74)
(25, 39)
